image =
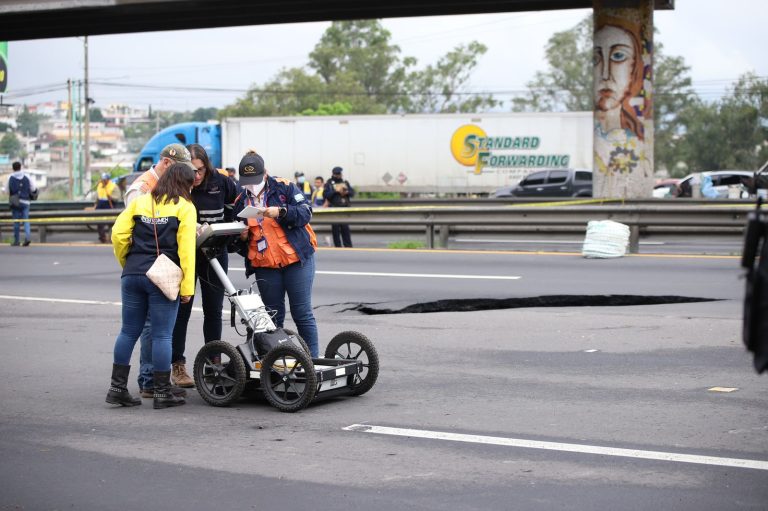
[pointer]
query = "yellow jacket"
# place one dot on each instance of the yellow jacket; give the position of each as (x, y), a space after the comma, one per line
(133, 237)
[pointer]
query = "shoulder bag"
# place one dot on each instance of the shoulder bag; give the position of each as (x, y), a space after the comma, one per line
(164, 273)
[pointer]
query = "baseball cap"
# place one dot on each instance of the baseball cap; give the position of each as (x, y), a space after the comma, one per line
(337, 170)
(251, 169)
(297, 174)
(178, 153)
(105, 175)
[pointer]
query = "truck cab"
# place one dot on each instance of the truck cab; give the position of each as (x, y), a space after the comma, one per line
(206, 134)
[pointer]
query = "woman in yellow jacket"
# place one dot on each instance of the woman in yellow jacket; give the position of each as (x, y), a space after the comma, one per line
(165, 221)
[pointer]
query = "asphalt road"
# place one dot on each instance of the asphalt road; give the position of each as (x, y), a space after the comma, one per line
(556, 408)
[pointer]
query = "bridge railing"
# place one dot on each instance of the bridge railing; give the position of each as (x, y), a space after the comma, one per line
(440, 221)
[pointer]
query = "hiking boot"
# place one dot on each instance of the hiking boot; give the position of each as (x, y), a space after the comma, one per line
(118, 389)
(163, 397)
(180, 376)
(149, 393)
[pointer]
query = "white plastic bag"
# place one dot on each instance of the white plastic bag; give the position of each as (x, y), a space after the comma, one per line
(605, 239)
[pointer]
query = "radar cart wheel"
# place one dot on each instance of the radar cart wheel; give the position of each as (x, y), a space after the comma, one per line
(219, 373)
(355, 346)
(288, 378)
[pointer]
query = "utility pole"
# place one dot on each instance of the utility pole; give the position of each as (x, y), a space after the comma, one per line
(69, 127)
(87, 120)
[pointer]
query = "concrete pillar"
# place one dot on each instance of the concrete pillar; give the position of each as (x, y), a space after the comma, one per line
(623, 86)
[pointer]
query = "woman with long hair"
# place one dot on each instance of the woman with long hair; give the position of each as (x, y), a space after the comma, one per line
(161, 221)
(213, 194)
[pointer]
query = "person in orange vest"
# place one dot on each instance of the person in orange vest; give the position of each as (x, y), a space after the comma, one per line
(279, 248)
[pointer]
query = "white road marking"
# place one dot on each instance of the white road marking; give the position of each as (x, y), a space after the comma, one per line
(558, 446)
(541, 242)
(70, 300)
(412, 275)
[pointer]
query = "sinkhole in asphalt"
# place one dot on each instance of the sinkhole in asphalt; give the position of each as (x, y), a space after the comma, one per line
(484, 304)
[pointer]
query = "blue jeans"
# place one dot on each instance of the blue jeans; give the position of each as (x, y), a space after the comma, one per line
(140, 295)
(20, 213)
(146, 379)
(296, 280)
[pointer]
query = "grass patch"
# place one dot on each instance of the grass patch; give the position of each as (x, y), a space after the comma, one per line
(406, 244)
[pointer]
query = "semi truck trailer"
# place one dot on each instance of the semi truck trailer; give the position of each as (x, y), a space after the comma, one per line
(420, 153)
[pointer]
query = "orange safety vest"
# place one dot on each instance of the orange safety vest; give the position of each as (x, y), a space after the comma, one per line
(279, 252)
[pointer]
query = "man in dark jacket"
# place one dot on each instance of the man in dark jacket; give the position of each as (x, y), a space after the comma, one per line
(21, 190)
(337, 193)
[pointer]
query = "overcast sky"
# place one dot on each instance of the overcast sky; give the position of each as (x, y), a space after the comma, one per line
(719, 40)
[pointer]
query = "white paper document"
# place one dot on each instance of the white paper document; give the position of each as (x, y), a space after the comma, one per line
(252, 212)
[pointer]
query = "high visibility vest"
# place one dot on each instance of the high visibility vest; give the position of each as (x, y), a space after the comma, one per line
(279, 252)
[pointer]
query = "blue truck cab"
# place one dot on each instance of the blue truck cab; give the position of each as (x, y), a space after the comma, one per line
(206, 134)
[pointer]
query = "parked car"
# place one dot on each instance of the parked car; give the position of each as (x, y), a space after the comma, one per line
(665, 188)
(551, 183)
(732, 184)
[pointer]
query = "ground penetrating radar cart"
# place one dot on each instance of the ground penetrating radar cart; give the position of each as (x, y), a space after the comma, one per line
(275, 360)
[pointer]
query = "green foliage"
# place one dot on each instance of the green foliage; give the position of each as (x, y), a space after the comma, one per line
(728, 134)
(567, 86)
(96, 115)
(446, 79)
(10, 145)
(356, 65)
(336, 108)
(379, 195)
(406, 244)
(204, 114)
(4, 126)
(28, 123)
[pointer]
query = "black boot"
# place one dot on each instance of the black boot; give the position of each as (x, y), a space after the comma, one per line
(118, 390)
(164, 398)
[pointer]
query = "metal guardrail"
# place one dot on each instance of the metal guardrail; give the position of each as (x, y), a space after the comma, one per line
(442, 219)
(367, 203)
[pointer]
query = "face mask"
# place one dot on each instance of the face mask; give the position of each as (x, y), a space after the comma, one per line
(255, 189)
(301, 179)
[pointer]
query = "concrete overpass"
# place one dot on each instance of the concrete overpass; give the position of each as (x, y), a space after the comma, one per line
(41, 19)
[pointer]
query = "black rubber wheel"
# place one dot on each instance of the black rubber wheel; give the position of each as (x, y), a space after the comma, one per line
(288, 378)
(354, 345)
(300, 338)
(219, 373)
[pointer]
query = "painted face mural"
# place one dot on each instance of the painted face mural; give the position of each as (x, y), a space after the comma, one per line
(614, 61)
(622, 94)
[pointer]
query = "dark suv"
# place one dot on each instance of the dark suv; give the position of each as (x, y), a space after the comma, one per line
(551, 183)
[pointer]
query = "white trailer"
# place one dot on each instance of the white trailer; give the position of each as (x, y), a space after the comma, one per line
(436, 153)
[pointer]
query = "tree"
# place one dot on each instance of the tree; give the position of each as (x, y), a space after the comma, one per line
(730, 133)
(204, 114)
(10, 145)
(28, 123)
(336, 108)
(355, 64)
(567, 86)
(361, 51)
(96, 115)
(445, 81)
